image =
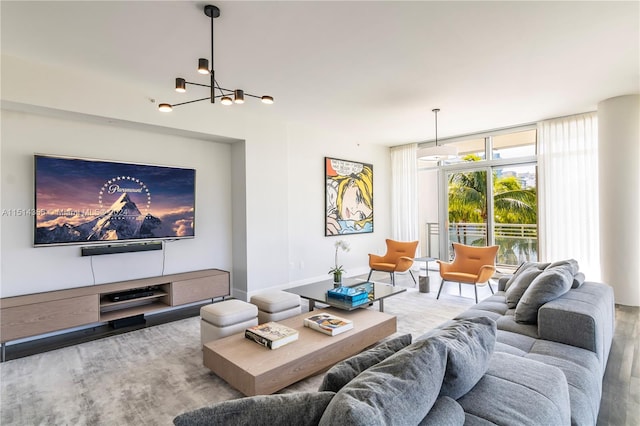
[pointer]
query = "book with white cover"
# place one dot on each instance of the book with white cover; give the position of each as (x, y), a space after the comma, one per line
(328, 324)
(271, 334)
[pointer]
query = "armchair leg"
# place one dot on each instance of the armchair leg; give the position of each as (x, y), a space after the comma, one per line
(414, 278)
(441, 284)
(490, 288)
(475, 287)
(460, 288)
(369, 277)
(393, 279)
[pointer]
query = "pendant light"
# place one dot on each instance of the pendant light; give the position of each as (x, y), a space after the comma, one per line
(438, 152)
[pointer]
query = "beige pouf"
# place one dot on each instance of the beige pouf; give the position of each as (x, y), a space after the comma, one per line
(226, 318)
(276, 305)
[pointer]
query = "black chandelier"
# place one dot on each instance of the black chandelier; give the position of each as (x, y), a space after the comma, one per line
(225, 95)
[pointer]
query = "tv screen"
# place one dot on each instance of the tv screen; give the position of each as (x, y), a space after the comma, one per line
(81, 200)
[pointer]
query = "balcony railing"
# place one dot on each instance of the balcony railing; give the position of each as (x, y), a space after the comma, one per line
(518, 242)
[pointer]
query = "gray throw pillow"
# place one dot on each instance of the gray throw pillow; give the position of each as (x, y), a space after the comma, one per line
(470, 344)
(578, 280)
(570, 264)
(304, 408)
(519, 285)
(397, 391)
(524, 266)
(551, 284)
(344, 371)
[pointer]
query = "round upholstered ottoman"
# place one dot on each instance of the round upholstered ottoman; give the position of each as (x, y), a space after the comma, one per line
(226, 318)
(276, 305)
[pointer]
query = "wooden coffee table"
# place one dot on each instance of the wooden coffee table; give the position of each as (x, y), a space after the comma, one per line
(256, 370)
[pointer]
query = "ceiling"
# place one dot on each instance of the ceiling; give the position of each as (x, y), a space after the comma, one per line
(371, 71)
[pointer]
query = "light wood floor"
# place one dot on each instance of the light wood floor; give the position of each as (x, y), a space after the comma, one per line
(620, 404)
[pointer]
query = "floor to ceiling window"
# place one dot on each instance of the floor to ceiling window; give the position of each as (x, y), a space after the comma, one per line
(486, 195)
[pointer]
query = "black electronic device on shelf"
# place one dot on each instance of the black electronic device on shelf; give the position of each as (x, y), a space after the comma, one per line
(136, 293)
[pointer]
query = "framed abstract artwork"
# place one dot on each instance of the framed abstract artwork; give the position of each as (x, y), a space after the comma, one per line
(348, 197)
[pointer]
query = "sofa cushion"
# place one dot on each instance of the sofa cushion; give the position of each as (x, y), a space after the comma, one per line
(508, 323)
(445, 412)
(520, 284)
(549, 285)
(518, 391)
(344, 371)
(585, 387)
(469, 345)
(397, 391)
(304, 408)
(524, 266)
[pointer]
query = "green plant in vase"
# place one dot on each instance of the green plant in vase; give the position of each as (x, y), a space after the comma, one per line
(337, 271)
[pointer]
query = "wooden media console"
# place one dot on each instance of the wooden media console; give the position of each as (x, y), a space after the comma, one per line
(34, 314)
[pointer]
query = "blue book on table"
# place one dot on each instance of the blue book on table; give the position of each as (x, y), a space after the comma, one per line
(348, 294)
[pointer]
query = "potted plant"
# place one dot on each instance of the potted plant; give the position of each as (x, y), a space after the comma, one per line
(337, 271)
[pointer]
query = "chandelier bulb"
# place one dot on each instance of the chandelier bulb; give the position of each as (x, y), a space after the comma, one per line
(181, 85)
(165, 107)
(238, 96)
(203, 66)
(226, 100)
(267, 99)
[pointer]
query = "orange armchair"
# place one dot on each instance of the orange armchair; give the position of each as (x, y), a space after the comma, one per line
(398, 258)
(471, 265)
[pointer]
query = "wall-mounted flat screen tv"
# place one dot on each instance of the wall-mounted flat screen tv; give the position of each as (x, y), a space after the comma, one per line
(87, 201)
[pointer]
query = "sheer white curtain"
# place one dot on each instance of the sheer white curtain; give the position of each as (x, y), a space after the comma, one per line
(404, 193)
(568, 185)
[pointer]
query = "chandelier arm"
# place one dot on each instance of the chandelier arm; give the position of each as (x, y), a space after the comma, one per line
(253, 96)
(190, 102)
(221, 89)
(197, 84)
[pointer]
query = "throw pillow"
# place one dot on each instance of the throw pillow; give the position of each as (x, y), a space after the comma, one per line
(344, 371)
(551, 284)
(470, 344)
(578, 280)
(519, 285)
(397, 391)
(304, 408)
(570, 264)
(521, 268)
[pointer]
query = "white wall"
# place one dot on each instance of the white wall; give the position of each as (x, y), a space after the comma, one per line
(273, 232)
(26, 269)
(619, 180)
(311, 254)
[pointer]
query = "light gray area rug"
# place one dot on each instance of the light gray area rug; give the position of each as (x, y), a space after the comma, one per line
(148, 376)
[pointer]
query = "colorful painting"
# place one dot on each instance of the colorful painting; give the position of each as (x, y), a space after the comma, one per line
(348, 197)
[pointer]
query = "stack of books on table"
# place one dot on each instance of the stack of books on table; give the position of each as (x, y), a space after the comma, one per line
(271, 334)
(328, 324)
(349, 295)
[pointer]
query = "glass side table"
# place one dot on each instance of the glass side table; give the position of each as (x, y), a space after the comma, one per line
(424, 285)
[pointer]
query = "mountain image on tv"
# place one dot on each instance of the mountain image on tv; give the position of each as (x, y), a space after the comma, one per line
(123, 221)
(89, 200)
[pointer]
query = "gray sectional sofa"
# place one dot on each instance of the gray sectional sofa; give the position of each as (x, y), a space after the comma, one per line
(532, 354)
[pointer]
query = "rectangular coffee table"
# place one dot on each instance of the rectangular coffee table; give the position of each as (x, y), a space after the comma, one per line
(317, 292)
(257, 370)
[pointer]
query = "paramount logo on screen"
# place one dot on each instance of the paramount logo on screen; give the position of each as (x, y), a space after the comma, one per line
(116, 188)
